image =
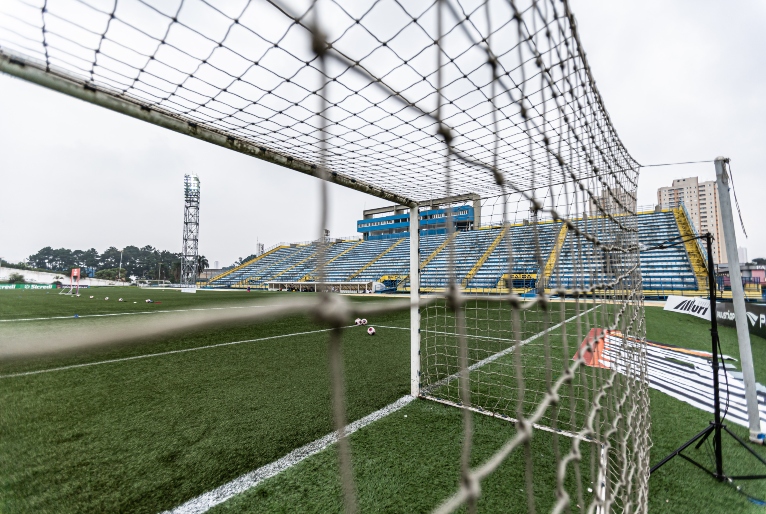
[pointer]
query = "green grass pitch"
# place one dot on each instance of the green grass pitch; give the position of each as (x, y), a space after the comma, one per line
(145, 435)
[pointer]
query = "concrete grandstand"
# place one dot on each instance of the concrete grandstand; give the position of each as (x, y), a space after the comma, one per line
(381, 257)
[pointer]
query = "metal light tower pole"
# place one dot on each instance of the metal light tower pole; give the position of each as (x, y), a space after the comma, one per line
(120, 266)
(191, 234)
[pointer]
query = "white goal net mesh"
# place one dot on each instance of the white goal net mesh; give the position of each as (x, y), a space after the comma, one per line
(531, 308)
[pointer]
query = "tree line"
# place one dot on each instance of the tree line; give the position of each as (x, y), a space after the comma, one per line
(144, 262)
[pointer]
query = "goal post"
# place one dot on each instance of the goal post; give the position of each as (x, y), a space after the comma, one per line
(414, 301)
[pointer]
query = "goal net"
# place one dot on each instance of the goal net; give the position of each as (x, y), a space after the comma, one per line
(484, 119)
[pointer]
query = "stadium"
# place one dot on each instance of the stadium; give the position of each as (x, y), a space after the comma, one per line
(509, 330)
(380, 260)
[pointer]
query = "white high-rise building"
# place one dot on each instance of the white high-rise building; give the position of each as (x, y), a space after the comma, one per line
(615, 201)
(701, 201)
(742, 253)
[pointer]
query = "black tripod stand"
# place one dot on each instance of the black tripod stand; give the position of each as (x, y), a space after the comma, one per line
(716, 427)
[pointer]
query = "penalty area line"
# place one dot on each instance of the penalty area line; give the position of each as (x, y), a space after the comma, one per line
(160, 354)
(210, 499)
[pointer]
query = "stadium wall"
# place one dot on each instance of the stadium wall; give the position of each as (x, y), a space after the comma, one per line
(42, 277)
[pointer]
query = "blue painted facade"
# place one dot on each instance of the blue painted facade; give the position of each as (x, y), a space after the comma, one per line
(431, 222)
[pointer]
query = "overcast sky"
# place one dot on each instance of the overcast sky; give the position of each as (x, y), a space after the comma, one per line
(682, 80)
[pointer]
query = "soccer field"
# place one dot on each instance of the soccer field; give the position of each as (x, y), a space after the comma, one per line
(153, 424)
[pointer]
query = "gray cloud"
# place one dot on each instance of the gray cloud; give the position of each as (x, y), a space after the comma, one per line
(683, 81)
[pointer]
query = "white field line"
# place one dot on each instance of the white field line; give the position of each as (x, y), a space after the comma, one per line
(130, 313)
(503, 353)
(249, 480)
(241, 484)
(491, 414)
(469, 336)
(160, 354)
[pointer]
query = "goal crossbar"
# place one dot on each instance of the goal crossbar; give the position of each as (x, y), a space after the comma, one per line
(63, 82)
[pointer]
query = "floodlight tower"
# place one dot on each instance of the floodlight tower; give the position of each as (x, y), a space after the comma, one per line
(191, 233)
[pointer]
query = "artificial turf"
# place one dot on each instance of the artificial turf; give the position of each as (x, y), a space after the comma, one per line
(416, 466)
(145, 435)
(36, 303)
(148, 434)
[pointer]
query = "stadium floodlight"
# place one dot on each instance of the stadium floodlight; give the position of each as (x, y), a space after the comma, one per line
(411, 102)
(190, 252)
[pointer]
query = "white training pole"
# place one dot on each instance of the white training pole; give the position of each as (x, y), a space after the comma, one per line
(414, 301)
(738, 297)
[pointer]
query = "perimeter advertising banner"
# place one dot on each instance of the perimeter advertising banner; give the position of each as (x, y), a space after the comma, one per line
(27, 286)
(756, 317)
(699, 307)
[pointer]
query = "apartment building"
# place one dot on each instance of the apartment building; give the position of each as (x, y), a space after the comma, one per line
(702, 205)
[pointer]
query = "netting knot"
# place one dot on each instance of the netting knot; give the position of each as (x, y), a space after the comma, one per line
(445, 132)
(454, 299)
(319, 43)
(525, 427)
(333, 309)
(472, 486)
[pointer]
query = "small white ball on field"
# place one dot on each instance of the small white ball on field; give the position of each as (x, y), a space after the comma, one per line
(371, 331)
(357, 321)
(106, 298)
(364, 321)
(120, 300)
(91, 296)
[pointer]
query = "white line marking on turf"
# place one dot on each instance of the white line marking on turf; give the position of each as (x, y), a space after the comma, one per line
(171, 352)
(210, 499)
(503, 353)
(470, 336)
(130, 313)
(249, 480)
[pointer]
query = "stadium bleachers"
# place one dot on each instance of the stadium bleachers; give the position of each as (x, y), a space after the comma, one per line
(343, 268)
(523, 247)
(481, 259)
(582, 265)
(665, 268)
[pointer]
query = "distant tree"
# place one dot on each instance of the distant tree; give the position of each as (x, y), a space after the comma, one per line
(110, 258)
(202, 263)
(112, 274)
(760, 261)
(89, 258)
(16, 278)
(243, 260)
(42, 258)
(175, 271)
(139, 261)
